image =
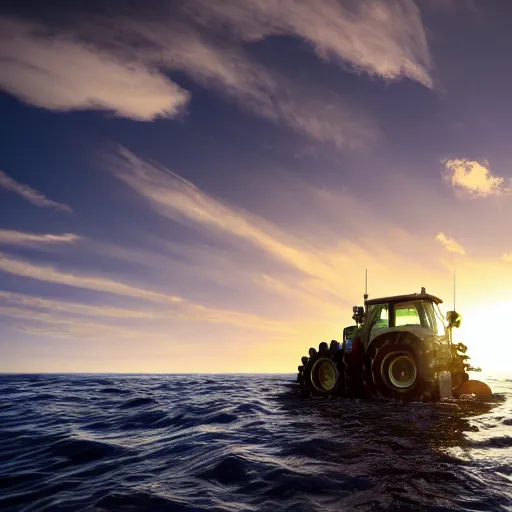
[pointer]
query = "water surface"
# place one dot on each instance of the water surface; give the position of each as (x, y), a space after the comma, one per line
(244, 442)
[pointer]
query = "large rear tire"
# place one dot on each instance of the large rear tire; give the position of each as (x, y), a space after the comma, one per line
(401, 369)
(322, 373)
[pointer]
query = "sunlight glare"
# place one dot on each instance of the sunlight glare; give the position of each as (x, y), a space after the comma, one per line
(486, 332)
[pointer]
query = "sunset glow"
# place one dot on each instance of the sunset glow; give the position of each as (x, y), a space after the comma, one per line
(175, 201)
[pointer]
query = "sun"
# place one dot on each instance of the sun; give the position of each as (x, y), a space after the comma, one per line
(487, 331)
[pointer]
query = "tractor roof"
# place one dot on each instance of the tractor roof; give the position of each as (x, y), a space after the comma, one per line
(405, 298)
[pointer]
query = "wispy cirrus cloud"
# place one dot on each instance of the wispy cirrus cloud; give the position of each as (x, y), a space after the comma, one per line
(382, 38)
(78, 308)
(327, 272)
(450, 244)
(119, 65)
(51, 324)
(175, 307)
(507, 257)
(58, 73)
(178, 199)
(53, 275)
(10, 237)
(228, 69)
(31, 195)
(93, 329)
(472, 178)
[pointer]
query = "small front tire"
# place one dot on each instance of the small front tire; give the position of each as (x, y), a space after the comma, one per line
(323, 373)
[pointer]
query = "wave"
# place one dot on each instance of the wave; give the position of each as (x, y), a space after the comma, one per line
(238, 442)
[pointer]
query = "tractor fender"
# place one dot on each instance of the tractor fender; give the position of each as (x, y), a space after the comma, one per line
(395, 334)
(416, 330)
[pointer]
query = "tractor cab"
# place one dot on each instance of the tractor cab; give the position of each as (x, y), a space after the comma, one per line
(417, 312)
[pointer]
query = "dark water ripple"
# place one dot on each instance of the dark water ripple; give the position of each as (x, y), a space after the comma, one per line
(243, 442)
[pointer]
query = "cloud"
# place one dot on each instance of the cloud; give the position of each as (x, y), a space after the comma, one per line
(52, 275)
(472, 178)
(303, 296)
(174, 197)
(327, 269)
(75, 327)
(118, 65)
(181, 308)
(9, 237)
(450, 244)
(56, 324)
(76, 308)
(28, 193)
(58, 73)
(316, 113)
(320, 115)
(381, 38)
(507, 257)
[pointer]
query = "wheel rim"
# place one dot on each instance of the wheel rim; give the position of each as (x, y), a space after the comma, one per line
(400, 370)
(324, 375)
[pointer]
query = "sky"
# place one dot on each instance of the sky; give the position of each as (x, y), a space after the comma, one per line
(199, 186)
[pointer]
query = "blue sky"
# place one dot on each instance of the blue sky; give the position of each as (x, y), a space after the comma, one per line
(200, 186)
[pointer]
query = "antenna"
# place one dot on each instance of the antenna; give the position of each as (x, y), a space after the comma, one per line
(365, 284)
(454, 287)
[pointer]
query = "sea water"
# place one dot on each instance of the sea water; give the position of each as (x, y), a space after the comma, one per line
(245, 442)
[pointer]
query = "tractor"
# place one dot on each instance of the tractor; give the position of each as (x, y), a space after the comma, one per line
(400, 348)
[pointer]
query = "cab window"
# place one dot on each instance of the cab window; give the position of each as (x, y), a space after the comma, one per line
(379, 317)
(406, 314)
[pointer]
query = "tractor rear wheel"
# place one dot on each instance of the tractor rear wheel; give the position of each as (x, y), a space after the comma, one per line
(400, 369)
(322, 373)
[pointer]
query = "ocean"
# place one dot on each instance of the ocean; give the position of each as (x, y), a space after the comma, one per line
(244, 442)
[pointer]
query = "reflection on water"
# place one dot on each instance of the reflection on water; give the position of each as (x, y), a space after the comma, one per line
(243, 442)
